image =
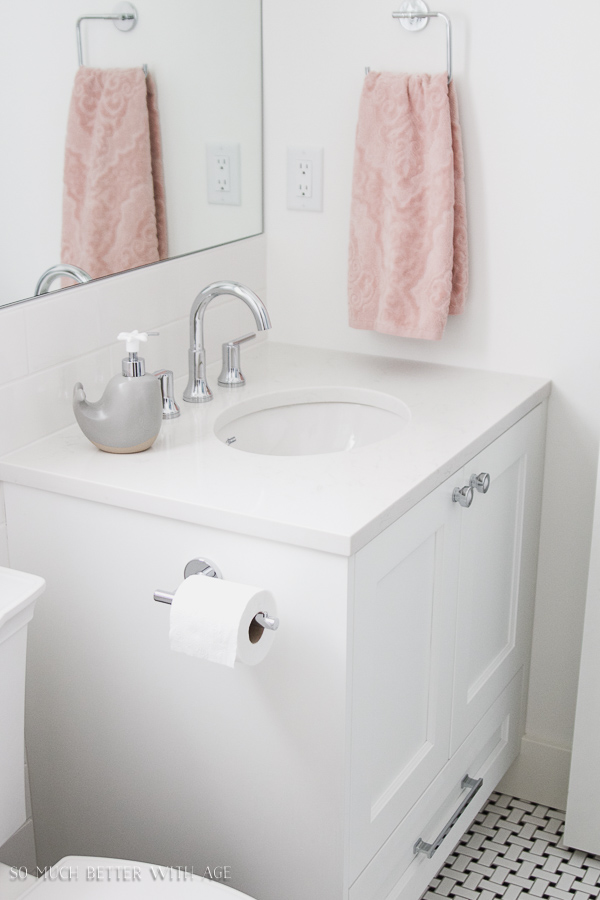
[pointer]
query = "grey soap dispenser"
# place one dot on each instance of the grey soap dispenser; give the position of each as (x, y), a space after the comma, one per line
(128, 416)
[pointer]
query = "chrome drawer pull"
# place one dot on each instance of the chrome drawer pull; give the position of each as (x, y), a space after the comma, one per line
(429, 849)
(480, 482)
(463, 496)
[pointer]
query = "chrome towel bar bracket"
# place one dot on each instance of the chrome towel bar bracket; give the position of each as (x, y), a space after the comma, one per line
(199, 566)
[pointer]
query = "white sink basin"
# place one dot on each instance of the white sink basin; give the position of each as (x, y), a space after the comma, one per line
(310, 421)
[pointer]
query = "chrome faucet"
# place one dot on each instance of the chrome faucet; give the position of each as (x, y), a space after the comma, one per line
(197, 390)
(60, 271)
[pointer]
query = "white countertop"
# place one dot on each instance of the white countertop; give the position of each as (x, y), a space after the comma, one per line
(333, 502)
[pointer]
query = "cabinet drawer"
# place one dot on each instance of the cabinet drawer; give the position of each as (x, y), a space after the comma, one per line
(396, 872)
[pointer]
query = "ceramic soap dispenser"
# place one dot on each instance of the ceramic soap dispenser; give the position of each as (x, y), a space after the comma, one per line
(128, 416)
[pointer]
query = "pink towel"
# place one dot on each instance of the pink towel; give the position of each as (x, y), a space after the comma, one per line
(408, 229)
(114, 198)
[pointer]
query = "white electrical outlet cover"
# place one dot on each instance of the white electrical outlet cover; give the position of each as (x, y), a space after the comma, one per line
(295, 198)
(231, 195)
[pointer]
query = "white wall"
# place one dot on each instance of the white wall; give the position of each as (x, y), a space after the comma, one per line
(527, 82)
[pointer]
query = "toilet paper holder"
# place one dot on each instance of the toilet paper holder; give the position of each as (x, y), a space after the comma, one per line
(199, 566)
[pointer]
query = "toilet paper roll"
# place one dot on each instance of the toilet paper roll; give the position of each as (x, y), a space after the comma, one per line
(214, 619)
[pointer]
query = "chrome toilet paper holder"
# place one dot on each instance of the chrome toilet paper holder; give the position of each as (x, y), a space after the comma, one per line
(199, 566)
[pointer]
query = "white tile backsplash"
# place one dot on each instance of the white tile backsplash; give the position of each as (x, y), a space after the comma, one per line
(243, 261)
(48, 344)
(13, 345)
(41, 403)
(137, 299)
(61, 327)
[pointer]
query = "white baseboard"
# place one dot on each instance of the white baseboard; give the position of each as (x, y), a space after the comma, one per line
(539, 774)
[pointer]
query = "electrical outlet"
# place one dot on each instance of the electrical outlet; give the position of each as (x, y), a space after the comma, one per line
(305, 178)
(223, 174)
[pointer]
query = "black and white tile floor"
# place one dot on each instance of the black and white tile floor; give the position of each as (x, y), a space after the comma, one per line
(515, 849)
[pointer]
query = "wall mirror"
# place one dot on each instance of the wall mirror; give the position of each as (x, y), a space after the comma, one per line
(205, 57)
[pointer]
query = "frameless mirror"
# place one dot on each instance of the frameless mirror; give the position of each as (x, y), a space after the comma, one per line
(205, 58)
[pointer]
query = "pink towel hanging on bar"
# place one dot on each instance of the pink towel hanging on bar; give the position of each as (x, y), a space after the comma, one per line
(114, 199)
(408, 231)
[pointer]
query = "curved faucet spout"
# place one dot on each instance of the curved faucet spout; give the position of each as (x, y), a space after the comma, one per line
(197, 390)
(59, 271)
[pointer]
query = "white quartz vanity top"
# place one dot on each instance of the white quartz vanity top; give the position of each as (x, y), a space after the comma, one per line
(332, 502)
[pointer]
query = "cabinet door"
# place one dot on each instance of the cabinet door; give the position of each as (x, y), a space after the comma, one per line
(402, 657)
(498, 562)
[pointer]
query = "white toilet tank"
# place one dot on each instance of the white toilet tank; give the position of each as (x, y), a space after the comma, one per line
(18, 592)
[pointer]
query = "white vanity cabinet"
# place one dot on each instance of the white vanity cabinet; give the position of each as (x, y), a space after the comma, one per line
(400, 665)
(441, 629)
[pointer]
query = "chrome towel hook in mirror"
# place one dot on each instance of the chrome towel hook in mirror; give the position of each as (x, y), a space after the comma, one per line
(124, 18)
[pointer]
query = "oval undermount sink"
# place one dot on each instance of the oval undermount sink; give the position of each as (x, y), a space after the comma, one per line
(311, 421)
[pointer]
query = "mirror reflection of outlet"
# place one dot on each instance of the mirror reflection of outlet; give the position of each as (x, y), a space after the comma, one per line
(223, 174)
(223, 182)
(304, 175)
(305, 178)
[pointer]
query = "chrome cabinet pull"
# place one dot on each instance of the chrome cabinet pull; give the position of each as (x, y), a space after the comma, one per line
(429, 849)
(480, 482)
(463, 495)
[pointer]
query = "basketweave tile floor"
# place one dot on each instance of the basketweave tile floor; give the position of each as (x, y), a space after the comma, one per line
(514, 849)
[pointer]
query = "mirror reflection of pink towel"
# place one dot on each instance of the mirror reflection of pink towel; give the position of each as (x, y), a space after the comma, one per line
(408, 231)
(114, 197)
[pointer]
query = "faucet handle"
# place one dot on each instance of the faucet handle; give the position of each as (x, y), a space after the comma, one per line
(241, 340)
(170, 408)
(231, 375)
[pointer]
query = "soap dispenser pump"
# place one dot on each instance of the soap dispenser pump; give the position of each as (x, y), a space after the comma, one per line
(128, 416)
